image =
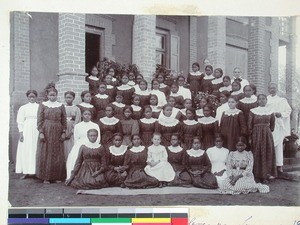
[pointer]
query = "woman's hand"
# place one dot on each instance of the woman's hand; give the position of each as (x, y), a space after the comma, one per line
(42, 137)
(234, 180)
(21, 138)
(63, 137)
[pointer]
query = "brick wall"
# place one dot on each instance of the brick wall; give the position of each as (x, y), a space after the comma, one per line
(256, 58)
(193, 40)
(71, 55)
(143, 52)
(274, 43)
(216, 41)
(21, 74)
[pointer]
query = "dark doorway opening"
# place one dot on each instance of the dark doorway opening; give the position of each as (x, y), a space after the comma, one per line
(92, 50)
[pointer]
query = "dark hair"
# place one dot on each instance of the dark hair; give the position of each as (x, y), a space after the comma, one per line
(198, 138)
(102, 83)
(70, 93)
(192, 110)
(86, 110)
(180, 76)
(187, 99)
(166, 105)
(152, 95)
(220, 70)
(196, 64)
(234, 98)
(208, 106)
(218, 135)
(83, 94)
(93, 68)
(133, 96)
(170, 98)
(253, 88)
(226, 93)
(238, 83)
(134, 135)
(226, 78)
(144, 81)
(119, 93)
(31, 92)
(141, 75)
(210, 67)
(155, 79)
(159, 74)
(51, 89)
(175, 84)
(90, 130)
(246, 87)
(117, 134)
(109, 68)
(146, 107)
(176, 135)
(127, 107)
(156, 133)
(241, 139)
(125, 74)
(261, 95)
(111, 106)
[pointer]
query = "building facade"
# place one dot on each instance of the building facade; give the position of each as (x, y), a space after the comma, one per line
(62, 47)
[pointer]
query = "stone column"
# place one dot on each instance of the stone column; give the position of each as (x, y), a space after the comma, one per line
(71, 55)
(143, 47)
(256, 54)
(274, 43)
(216, 41)
(193, 40)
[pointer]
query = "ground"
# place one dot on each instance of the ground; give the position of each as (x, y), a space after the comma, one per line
(33, 193)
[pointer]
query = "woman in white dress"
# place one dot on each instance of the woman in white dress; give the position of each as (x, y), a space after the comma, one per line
(218, 157)
(80, 137)
(27, 125)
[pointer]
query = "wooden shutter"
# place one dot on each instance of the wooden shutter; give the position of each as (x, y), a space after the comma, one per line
(174, 52)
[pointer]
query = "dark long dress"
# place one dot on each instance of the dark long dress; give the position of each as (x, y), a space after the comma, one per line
(137, 112)
(155, 111)
(195, 79)
(135, 163)
(118, 110)
(93, 85)
(92, 109)
(147, 128)
(127, 93)
(50, 159)
(245, 104)
(179, 101)
(100, 102)
(238, 94)
(108, 127)
(188, 130)
(113, 177)
(167, 129)
(206, 85)
(209, 127)
(175, 158)
(217, 83)
(200, 162)
(232, 126)
(144, 97)
(129, 128)
(165, 89)
(89, 161)
(111, 92)
(261, 123)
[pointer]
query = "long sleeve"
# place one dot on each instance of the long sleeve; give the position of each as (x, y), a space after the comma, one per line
(242, 122)
(285, 108)
(21, 118)
(63, 118)
(108, 159)
(150, 157)
(76, 133)
(40, 118)
(216, 128)
(250, 123)
(229, 165)
(78, 163)
(103, 160)
(119, 127)
(77, 115)
(272, 122)
(127, 160)
(135, 127)
(207, 163)
(164, 155)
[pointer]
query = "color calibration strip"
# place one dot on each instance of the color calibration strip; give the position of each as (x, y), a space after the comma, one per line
(98, 216)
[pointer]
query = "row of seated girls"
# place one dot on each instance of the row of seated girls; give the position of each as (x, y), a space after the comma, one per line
(124, 118)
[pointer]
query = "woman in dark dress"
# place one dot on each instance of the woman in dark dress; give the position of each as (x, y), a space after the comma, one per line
(86, 98)
(194, 79)
(248, 102)
(206, 84)
(100, 101)
(147, 126)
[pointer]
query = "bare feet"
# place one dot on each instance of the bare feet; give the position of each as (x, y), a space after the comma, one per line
(46, 182)
(57, 181)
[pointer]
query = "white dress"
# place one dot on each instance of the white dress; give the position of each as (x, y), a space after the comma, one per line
(80, 138)
(160, 96)
(26, 152)
(218, 158)
(184, 92)
(163, 171)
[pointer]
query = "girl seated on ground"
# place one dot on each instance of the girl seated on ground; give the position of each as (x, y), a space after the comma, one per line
(157, 162)
(239, 168)
(90, 165)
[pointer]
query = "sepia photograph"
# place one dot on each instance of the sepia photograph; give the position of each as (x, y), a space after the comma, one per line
(160, 110)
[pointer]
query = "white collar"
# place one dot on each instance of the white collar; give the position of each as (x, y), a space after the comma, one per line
(175, 94)
(118, 104)
(231, 112)
(155, 108)
(261, 111)
(217, 80)
(131, 83)
(109, 120)
(148, 121)
(275, 96)
(195, 153)
(137, 149)
(136, 108)
(157, 149)
(108, 86)
(208, 77)
(197, 73)
(162, 85)
(190, 122)
(140, 92)
(86, 105)
(228, 88)
(175, 149)
(207, 120)
(117, 151)
(92, 145)
(156, 91)
(237, 92)
(199, 112)
(250, 100)
(101, 96)
(124, 87)
(50, 104)
(93, 78)
(168, 121)
(183, 111)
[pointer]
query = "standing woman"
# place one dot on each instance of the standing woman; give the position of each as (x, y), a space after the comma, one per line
(248, 102)
(195, 78)
(52, 125)
(206, 84)
(261, 124)
(26, 152)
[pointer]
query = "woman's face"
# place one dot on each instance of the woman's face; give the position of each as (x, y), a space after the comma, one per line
(262, 100)
(195, 68)
(143, 85)
(217, 74)
(196, 144)
(171, 101)
(118, 141)
(240, 146)
(127, 113)
(119, 98)
(87, 98)
(174, 89)
(202, 103)
(235, 86)
(189, 115)
(136, 141)
(188, 104)
(226, 82)
(52, 96)
(102, 88)
(206, 111)
(92, 136)
(148, 113)
(168, 111)
(87, 116)
(208, 71)
(231, 103)
(248, 91)
(155, 85)
(108, 79)
(181, 81)
(153, 100)
(160, 78)
(174, 140)
(111, 72)
(69, 99)
(223, 98)
(125, 79)
(94, 72)
(218, 142)
(32, 98)
(136, 100)
(109, 111)
(139, 78)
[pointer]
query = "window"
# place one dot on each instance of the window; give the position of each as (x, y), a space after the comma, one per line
(162, 47)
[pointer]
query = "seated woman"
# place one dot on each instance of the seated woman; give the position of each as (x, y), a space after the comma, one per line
(90, 165)
(218, 157)
(239, 168)
(198, 165)
(115, 154)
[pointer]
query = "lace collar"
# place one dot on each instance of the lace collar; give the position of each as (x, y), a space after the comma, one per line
(101, 96)
(92, 145)
(93, 78)
(207, 120)
(208, 77)
(148, 121)
(175, 149)
(228, 88)
(199, 112)
(250, 100)
(197, 73)
(217, 80)
(109, 120)
(175, 94)
(50, 104)
(137, 149)
(168, 121)
(157, 149)
(232, 112)
(162, 85)
(237, 92)
(195, 153)
(136, 108)
(155, 108)
(190, 122)
(124, 87)
(86, 105)
(108, 86)
(120, 105)
(131, 83)
(140, 92)
(261, 111)
(117, 151)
